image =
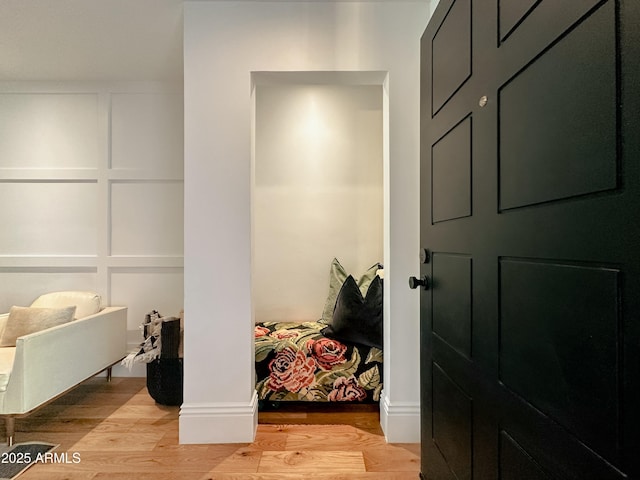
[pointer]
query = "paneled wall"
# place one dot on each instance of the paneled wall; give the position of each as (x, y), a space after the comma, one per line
(91, 194)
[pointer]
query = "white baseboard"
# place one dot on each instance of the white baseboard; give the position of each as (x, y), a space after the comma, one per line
(219, 422)
(138, 370)
(400, 421)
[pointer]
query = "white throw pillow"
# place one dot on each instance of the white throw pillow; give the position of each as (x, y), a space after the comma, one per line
(87, 303)
(25, 320)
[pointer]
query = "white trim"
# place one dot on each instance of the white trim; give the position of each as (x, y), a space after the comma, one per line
(219, 422)
(139, 370)
(400, 421)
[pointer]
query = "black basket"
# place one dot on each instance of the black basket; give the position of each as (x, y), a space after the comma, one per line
(164, 380)
(170, 339)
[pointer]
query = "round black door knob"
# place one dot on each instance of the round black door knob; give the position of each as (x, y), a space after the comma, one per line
(419, 282)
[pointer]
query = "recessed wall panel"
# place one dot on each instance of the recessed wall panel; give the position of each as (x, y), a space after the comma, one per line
(146, 289)
(559, 340)
(451, 53)
(42, 130)
(21, 286)
(548, 126)
(451, 174)
(451, 292)
(48, 218)
(147, 218)
(452, 423)
(147, 132)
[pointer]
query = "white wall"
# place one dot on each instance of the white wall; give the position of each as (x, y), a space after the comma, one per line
(224, 42)
(91, 188)
(432, 6)
(317, 193)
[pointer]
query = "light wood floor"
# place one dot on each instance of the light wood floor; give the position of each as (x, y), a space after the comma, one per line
(119, 432)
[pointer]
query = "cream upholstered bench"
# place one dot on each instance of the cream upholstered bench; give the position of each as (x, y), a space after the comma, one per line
(62, 339)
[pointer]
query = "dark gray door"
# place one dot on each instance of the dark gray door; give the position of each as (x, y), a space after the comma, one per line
(530, 209)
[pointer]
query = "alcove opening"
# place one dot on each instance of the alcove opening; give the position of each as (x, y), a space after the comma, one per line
(319, 185)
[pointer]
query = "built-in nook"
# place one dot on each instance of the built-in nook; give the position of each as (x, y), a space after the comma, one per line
(317, 185)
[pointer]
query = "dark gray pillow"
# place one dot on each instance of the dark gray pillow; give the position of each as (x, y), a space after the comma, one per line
(358, 319)
(337, 276)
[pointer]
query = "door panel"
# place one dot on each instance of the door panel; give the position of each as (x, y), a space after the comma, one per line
(452, 301)
(452, 168)
(558, 344)
(516, 463)
(530, 333)
(548, 108)
(452, 420)
(511, 13)
(451, 53)
(560, 454)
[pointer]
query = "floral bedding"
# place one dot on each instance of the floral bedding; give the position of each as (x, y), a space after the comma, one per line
(295, 362)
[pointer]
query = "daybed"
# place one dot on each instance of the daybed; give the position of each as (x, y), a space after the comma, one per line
(335, 359)
(37, 367)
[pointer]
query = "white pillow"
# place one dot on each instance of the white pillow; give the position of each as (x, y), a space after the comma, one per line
(25, 320)
(87, 303)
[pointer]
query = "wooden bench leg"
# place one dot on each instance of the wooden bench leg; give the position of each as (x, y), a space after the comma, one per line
(10, 427)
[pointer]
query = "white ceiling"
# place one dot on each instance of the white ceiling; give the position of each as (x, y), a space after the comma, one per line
(90, 39)
(67, 40)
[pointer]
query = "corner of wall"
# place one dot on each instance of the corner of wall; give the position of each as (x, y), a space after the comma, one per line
(219, 422)
(400, 421)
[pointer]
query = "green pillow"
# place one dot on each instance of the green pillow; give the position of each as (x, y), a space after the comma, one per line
(337, 276)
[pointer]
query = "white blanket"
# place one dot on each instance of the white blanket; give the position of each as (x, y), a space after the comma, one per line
(151, 348)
